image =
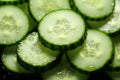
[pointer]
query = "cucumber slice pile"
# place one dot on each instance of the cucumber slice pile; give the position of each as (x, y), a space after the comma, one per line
(59, 39)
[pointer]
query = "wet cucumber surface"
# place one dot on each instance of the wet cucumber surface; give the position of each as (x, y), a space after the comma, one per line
(61, 29)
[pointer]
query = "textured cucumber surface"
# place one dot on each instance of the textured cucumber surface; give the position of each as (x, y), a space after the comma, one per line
(100, 75)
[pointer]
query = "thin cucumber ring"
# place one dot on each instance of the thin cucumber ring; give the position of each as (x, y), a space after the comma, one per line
(39, 8)
(95, 54)
(33, 56)
(12, 27)
(94, 9)
(62, 32)
(111, 24)
(9, 60)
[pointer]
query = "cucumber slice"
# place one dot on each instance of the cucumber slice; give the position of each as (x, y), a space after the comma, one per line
(63, 72)
(9, 60)
(94, 54)
(14, 24)
(62, 30)
(111, 25)
(33, 56)
(3, 2)
(95, 9)
(115, 65)
(39, 8)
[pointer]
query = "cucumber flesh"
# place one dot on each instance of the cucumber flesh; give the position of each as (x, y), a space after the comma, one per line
(111, 24)
(95, 53)
(32, 22)
(14, 24)
(62, 29)
(95, 9)
(39, 8)
(63, 72)
(33, 56)
(9, 60)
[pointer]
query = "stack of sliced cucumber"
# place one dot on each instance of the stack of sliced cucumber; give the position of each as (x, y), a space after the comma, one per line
(60, 39)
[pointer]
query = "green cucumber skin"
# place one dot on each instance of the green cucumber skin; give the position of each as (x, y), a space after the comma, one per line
(73, 6)
(64, 48)
(114, 34)
(69, 72)
(31, 13)
(12, 2)
(32, 22)
(44, 15)
(38, 69)
(11, 73)
(16, 42)
(5, 45)
(105, 67)
(36, 22)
